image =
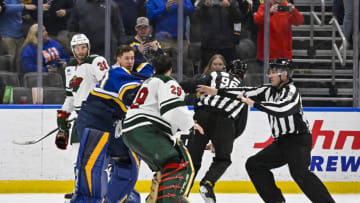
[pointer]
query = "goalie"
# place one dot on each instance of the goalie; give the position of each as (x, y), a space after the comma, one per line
(156, 114)
(99, 123)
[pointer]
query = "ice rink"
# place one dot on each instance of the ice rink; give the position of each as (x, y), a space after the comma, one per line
(194, 197)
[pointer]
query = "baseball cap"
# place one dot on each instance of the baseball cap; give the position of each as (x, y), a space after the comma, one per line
(142, 21)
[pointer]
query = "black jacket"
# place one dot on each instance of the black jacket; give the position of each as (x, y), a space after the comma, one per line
(52, 22)
(88, 17)
(217, 24)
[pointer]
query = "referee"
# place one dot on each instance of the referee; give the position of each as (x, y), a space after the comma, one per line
(290, 129)
(222, 118)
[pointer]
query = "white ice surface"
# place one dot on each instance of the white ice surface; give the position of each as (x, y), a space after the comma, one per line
(194, 197)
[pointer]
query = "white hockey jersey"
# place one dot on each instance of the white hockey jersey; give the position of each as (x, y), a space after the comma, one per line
(81, 78)
(160, 101)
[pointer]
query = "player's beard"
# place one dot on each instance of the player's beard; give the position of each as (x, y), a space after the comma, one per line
(81, 57)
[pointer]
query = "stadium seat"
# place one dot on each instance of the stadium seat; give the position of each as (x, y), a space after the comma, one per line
(188, 67)
(54, 95)
(10, 78)
(19, 92)
(49, 80)
(6, 62)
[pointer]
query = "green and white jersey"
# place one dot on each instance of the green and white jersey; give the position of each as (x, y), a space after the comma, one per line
(160, 102)
(81, 78)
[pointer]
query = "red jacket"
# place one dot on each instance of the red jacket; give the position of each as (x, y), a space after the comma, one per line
(280, 32)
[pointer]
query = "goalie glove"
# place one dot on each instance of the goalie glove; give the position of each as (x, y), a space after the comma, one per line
(64, 125)
(61, 139)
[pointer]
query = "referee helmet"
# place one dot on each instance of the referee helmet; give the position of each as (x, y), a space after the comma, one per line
(281, 65)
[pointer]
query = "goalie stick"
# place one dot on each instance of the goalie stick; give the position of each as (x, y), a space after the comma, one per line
(29, 142)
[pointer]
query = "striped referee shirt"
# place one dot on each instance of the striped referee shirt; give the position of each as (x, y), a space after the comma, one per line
(283, 106)
(230, 105)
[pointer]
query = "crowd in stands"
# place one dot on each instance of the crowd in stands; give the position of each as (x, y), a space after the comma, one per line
(231, 28)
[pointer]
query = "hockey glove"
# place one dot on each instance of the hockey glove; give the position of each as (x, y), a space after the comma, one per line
(64, 125)
(62, 138)
(62, 120)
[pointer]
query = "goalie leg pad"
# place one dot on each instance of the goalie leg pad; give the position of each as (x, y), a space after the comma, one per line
(123, 178)
(176, 178)
(92, 160)
(151, 198)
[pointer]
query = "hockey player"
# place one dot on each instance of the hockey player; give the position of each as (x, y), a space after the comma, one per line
(223, 120)
(100, 116)
(156, 114)
(82, 74)
(292, 138)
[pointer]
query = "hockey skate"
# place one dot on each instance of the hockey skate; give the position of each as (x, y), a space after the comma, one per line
(207, 191)
(68, 197)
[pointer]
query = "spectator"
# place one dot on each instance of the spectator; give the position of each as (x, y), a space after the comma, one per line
(93, 25)
(164, 15)
(128, 10)
(216, 63)
(280, 29)
(141, 8)
(54, 56)
(217, 20)
(56, 16)
(248, 27)
(280, 39)
(11, 29)
(145, 47)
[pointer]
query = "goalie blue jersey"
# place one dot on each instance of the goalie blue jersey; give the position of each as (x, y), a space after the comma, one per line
(117, 90)
(144, 68)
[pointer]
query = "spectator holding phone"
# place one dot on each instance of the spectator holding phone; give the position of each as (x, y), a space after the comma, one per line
(146, 48)
(282, 16)
(164, 14)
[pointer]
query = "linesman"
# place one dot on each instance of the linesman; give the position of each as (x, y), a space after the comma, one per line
(222, 118)
(292, 138)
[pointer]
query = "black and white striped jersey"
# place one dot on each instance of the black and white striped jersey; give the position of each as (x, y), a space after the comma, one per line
(283, 106)
(230, 105)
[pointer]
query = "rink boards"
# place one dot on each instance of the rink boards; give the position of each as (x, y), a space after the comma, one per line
(43, 168)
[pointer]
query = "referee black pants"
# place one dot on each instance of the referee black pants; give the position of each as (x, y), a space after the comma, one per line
(221, 131)
(294, 151)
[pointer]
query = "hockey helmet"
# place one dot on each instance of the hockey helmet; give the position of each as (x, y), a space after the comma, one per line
(237, 67)
(79, 39)
(281, 65)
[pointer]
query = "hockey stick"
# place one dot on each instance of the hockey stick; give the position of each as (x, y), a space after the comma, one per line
(29, 142)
